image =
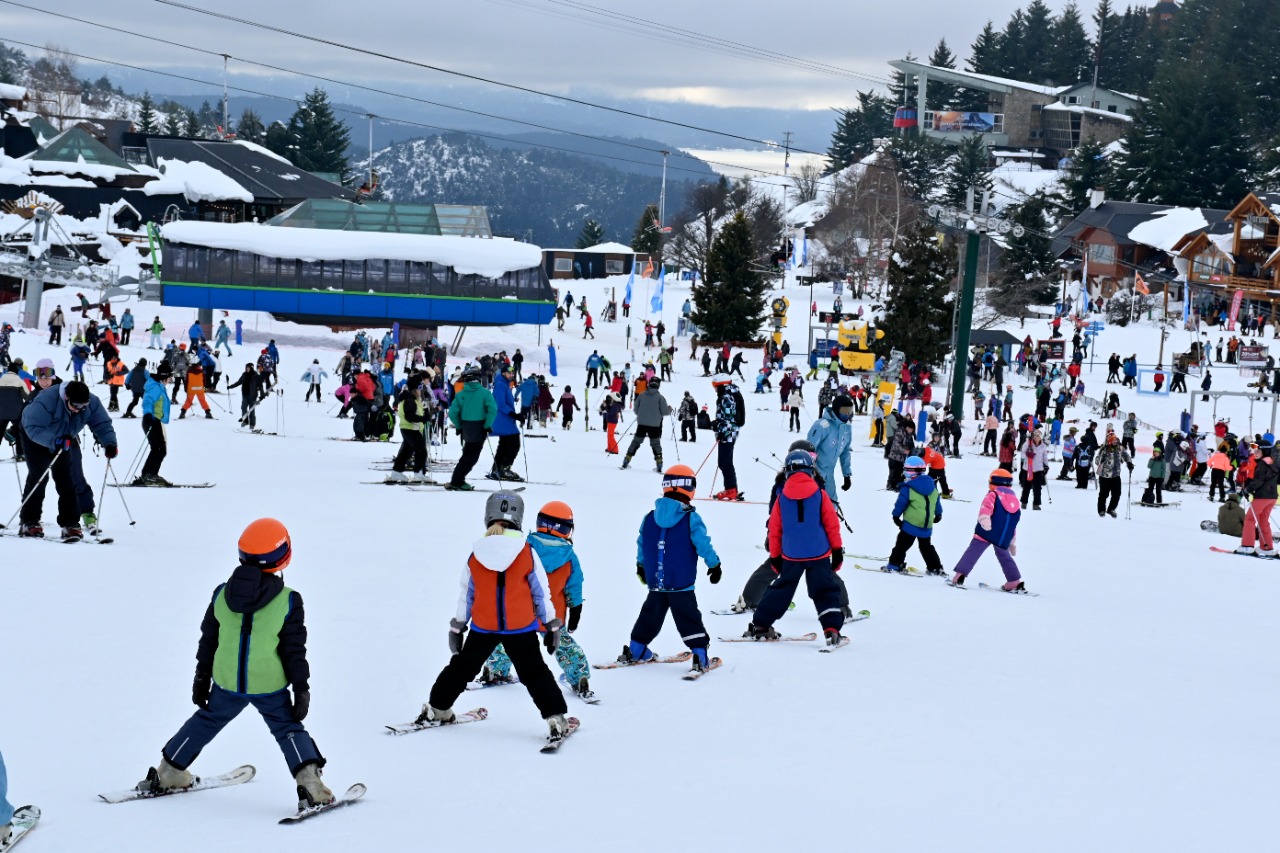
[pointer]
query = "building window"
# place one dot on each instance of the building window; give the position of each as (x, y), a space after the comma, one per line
(311, 275)
(1102, 253)
(244, 268)
(1073, 99)
(1112, 108)
(353, 276)
(397, 276)
(564, 264)
(266, 274)
(612, 267)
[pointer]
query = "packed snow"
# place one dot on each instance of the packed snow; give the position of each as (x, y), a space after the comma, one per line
(197, 181)
(1117, 711)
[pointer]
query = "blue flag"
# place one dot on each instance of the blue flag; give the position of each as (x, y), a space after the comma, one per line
(655, 304)
(630, 280)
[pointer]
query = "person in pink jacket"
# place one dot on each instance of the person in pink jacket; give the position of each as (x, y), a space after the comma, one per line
(998, 527)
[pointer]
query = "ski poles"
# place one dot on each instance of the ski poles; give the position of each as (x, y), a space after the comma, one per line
(675, 440)
(708, 456)
(1128, 513)
(43, 477)
(121, 491)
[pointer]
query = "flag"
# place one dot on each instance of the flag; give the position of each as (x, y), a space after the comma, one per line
(626, 297)
(655, 304)
(804, 248)
(1140, 285)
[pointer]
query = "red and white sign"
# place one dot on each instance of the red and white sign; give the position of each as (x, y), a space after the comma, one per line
(1235, 310)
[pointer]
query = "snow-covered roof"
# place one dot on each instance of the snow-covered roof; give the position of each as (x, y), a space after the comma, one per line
(959, 77)
(467, 255)
(1076, 108)
(610, 249)
(807, 213)
(9, 92)
(197, 181)
(253, 146)
(1166, 228)
(17, 172)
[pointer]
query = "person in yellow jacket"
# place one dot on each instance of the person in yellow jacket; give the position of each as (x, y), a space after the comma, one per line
(253, 649)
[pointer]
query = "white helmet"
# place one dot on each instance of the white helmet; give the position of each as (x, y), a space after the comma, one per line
(721, 379)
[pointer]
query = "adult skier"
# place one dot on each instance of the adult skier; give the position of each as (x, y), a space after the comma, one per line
(472, 413)
(651, 409)
(1108, 462)
(730, 417)
(688, 417)
(998, 517)
(252, 651)
(155, 414)
(804, 541)
(1261, 492)
(672, 538)
(506, 599)
(1035, 465)
(312, 376)
(250, 390)
(51, 424)
(505, 425)
(915, 512)
(832, 438)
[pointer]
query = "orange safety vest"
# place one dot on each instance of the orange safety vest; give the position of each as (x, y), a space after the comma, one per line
(115, 372)
(195, 381)
(503, 601)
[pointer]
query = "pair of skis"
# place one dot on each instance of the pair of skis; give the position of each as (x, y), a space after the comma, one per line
(238, 776)
(683, 657)
(475, 715)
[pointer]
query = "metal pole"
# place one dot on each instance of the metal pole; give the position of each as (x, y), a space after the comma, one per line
(371, 117)
(967, 290)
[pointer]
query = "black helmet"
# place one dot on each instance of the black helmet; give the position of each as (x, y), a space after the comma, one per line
(471, 374)
(803, 444)
(655, 382)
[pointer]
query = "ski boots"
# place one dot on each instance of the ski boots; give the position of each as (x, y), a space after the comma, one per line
(459, 487)
(89, 522)
(726, 495)
(626, 461)
(182, 414)
(958, 580)
(397, 477)
(33, 530)
(700, 660)
(635, 653)
(509, 475)
(208, 415)
(832, 636)
(311, 791)
(583, 689)
(435, 715)
(936, 572)
(1014, 586)
(558, 728)
(165, 777)
(72, 533)
(889, 567)
(739, 606)
(487, 677)
(757, 632)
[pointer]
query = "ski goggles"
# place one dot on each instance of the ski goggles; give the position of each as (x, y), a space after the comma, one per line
(44, 373)
(555, 526)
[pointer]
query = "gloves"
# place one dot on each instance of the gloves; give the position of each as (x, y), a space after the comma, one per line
(1013, 549)
(457, 633)
(301, 704)
(552, 638)
(575, 614)
(847, 484)
(897, 522)
(837, 559)
(64, 444)
(714, 573)
(1130, 467)
(775, 563)
(640, 572)
(200, 688)
(110, 451)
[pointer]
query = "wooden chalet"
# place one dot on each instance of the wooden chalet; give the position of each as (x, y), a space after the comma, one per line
(1243, 253)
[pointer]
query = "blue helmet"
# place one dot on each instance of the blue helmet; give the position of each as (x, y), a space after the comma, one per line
(914, 466)
(798, 460)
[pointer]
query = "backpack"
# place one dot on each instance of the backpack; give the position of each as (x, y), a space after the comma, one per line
(1083, 459)
(740, 409)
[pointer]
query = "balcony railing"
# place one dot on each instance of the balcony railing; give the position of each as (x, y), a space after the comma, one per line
(1232, 282)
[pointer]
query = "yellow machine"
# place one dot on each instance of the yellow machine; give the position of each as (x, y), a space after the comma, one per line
(779, 319)
(884, 399)
(853, 337)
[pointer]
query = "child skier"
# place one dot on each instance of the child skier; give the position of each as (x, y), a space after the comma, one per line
(672, 538)
(915, 512)
(553, 543)
(505, 599)
(998, 527)
(253, 645)
(804, 541)
(568, 403)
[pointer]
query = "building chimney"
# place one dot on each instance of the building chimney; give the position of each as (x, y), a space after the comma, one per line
(1096, 198)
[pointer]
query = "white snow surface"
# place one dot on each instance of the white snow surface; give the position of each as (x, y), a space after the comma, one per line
(1167, 227)
(9, 92)
(197, 181)
(609, 249)
(1114, 712)
(262, 149)
(491, 258)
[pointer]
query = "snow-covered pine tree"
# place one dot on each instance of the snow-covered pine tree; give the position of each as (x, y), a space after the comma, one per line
(592, 234)
(729, 304)
(191, 126)
(917, 317)
(279, 140)
(647, 239)
(250, 127)
(942, 96)
(967, 167)
(148, 121)
(319, 139)
(1090, 169)
(1026, 274)
(917, 159)
(857, 129)
(173, 123)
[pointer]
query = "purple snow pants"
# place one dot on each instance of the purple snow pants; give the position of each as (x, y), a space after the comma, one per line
(970, 558)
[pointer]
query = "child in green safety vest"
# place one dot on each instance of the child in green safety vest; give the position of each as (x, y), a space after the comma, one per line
(252, 650)
(916, 511)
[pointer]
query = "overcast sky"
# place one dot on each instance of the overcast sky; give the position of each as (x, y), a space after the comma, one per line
(559, 46)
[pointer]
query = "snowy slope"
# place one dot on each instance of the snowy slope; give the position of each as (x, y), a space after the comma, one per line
(1114, 712)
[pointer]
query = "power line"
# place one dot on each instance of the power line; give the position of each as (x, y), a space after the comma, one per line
(464, 75)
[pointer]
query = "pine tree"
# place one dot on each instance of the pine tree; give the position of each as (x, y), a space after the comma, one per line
(209, 118)
(917, 160)
(1106, 44)
(592, 234)
(279, 140)
(1089, 170)
(1037, 43)
(148, 121)
(917, 316)
(984, 58)
(857, 129)
(967, 168)
(173, 123)
(899, 91)
(13, 65)
(1027, 268)
(647, 239)
(250, 127)
(1071, 59)
(192, 127)
(319, 139)
(942, 96)
(729, 304)
(1012, 56)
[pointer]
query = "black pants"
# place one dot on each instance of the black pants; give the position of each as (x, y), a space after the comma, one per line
(17, 435)
(413, 451)
(470, 455)
(125, 334)
(508, 449)
(940, 476)
(526, 656)
(1067, 464)
(665, 370)
(314, 386)
(760, 579)
(654, 434)
(1032, 484)
(724, 458)
(593, 378)
(878, 438)
(895, 473)
(154, 431)
(1218, 480)
(114, 405)
(1156, 485)
(179, 383)
(989, 443)
(689, 431)
(1126, 443)
(55, 335)
(1082, 477)
(39, 460)
(1109, 491)
(823, 591)
(795, 418)
(249, 412)
(902, 544)
(684, 610)
(360, 423)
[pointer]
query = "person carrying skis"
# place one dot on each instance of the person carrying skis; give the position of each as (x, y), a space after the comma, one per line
(832, 438)
(1261, 492)
(1109, 460)
(728, 423)
(915, 512)
(651, 409)
(472, 414)
(804, 541)
(312, 375)
(252, 651)
(997, 527)
(552, 541)
(506, 599)
(51, 424)
(672, 538)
